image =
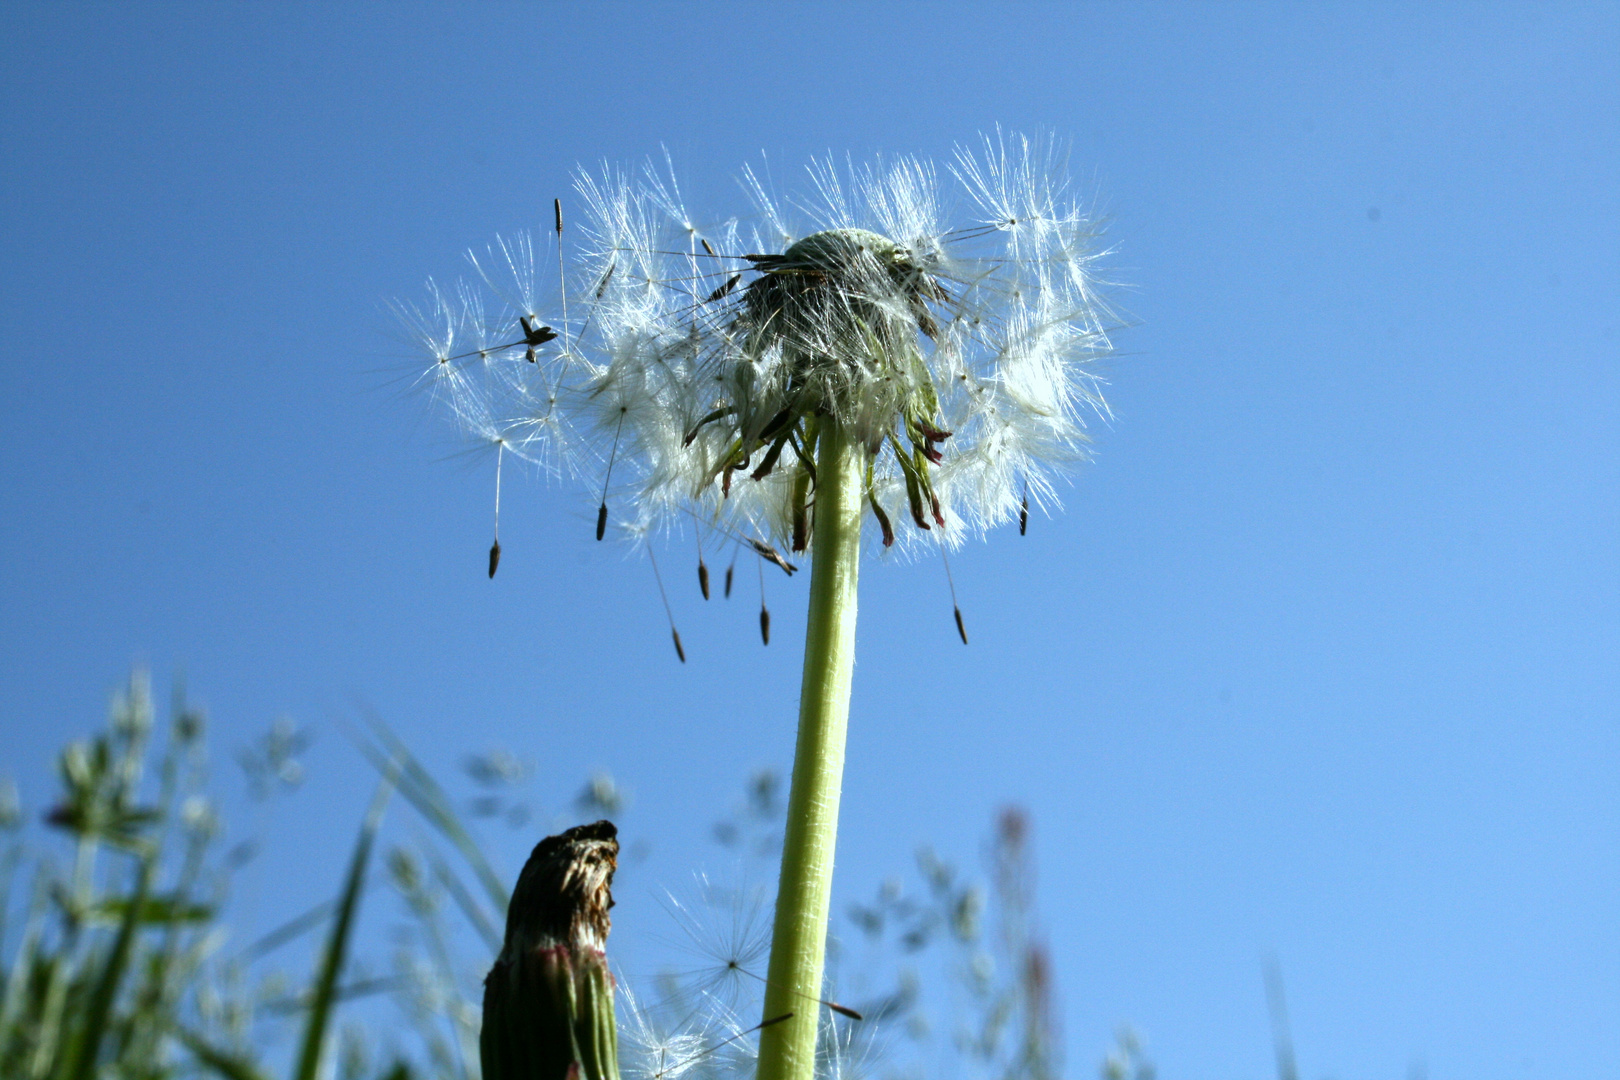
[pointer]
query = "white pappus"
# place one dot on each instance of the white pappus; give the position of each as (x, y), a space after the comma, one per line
(947, 319)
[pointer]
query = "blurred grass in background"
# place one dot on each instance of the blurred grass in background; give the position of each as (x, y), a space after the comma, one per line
(118, 958)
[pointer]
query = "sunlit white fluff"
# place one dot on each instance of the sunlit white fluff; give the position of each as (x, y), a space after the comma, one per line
(947, 318)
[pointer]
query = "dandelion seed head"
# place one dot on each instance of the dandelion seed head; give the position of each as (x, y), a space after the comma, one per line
(949, 320)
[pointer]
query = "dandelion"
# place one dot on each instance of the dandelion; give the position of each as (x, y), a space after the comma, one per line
(906, 345)
(725, 928)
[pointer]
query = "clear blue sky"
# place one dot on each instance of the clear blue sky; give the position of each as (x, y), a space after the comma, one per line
(1319, 661)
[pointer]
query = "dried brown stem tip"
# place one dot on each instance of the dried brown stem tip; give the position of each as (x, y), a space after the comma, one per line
(548, 1001)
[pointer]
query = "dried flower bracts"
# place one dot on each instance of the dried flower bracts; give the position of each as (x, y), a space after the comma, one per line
(548, 1000)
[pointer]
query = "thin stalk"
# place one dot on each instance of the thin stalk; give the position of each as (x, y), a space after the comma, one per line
(787, 1051)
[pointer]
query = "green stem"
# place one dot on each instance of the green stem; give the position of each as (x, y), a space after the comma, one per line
(787, 1051)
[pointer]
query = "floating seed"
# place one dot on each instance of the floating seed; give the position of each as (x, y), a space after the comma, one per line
(556, 206)
(607, 477)
(765, 624)
(703, 578)
(729, 571)
(844, 1010)
(960, 628)
(680, 652)
(1023, 516)
(710, 250)
(494, 557)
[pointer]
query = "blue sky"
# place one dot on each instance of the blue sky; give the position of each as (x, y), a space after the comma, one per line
(1318, 662)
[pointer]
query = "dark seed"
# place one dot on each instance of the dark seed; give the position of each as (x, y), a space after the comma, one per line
(494, 557)
(729, 571)
(680, 652)
(535, 334)
(556, 206)
(764, 624)
(770, 554)
(703, 579)
(731, 283)
(844, 1010)
(601, 521)
(960, 628)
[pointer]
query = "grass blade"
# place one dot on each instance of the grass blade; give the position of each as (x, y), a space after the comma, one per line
(21, 966)
(291, 930)
(225, 1064)
(424, 793)
(324, 994)
(80, 1061)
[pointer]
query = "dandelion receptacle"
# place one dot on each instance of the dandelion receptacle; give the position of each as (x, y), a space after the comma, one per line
(916, 352)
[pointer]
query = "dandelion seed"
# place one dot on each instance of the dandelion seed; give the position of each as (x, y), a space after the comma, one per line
(764, 612)
(961, 628)
(770, 554)
(534, 335)
(725, 928)
(495, 548)
(602, 511)
(562, 273)
(724, 290)
(674, 634)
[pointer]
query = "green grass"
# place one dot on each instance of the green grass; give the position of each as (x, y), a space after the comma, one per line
(118, 962)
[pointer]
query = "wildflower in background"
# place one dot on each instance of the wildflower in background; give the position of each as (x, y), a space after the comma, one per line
(908, 346)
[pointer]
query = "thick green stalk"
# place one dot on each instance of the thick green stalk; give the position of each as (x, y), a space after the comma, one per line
(787, 1051)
